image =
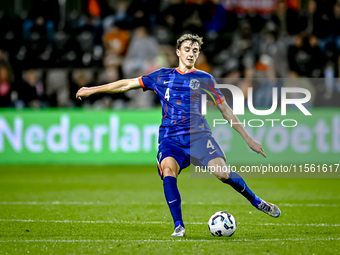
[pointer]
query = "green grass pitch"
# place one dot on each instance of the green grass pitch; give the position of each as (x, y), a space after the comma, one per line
(122, 210)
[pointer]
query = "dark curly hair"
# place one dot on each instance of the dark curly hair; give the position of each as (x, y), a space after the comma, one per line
(190, 37)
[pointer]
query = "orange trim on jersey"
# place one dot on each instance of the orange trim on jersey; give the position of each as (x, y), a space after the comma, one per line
(141, 82)
(160, 169)
(192, 70)
(219, 101)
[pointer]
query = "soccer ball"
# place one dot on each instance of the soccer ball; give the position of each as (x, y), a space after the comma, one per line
(222, 224)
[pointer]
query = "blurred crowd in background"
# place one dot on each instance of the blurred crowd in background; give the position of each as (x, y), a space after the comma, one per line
(47, 52)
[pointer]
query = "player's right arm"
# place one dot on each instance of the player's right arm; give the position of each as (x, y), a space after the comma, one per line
(114, 87)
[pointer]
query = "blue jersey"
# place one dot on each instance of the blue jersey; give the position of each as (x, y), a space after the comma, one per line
(180, 96)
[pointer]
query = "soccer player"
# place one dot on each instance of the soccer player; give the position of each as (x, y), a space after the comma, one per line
(184, 135)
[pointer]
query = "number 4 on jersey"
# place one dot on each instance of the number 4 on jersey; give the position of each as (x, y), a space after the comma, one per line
(209, 145)
(167, 94)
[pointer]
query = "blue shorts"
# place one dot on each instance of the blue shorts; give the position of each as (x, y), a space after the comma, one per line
(196, 149)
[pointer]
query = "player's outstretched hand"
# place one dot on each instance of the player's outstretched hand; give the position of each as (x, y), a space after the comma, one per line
(83, 92)
(257, 147)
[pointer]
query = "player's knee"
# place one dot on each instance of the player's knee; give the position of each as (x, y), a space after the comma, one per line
(218, 167)
(223, 177)
(167, 171)
(221, 173)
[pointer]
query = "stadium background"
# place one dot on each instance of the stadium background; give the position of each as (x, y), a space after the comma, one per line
(49, 49)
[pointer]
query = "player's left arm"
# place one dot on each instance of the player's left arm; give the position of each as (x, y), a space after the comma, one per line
(228, 114)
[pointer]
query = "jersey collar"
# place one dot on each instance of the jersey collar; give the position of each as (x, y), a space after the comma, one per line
(179, 71)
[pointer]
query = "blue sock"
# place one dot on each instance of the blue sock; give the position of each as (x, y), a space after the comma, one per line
(237, 182)
(173, 199)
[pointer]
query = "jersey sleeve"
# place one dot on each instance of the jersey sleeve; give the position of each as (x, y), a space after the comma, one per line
(214, 93)
(149, 81)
